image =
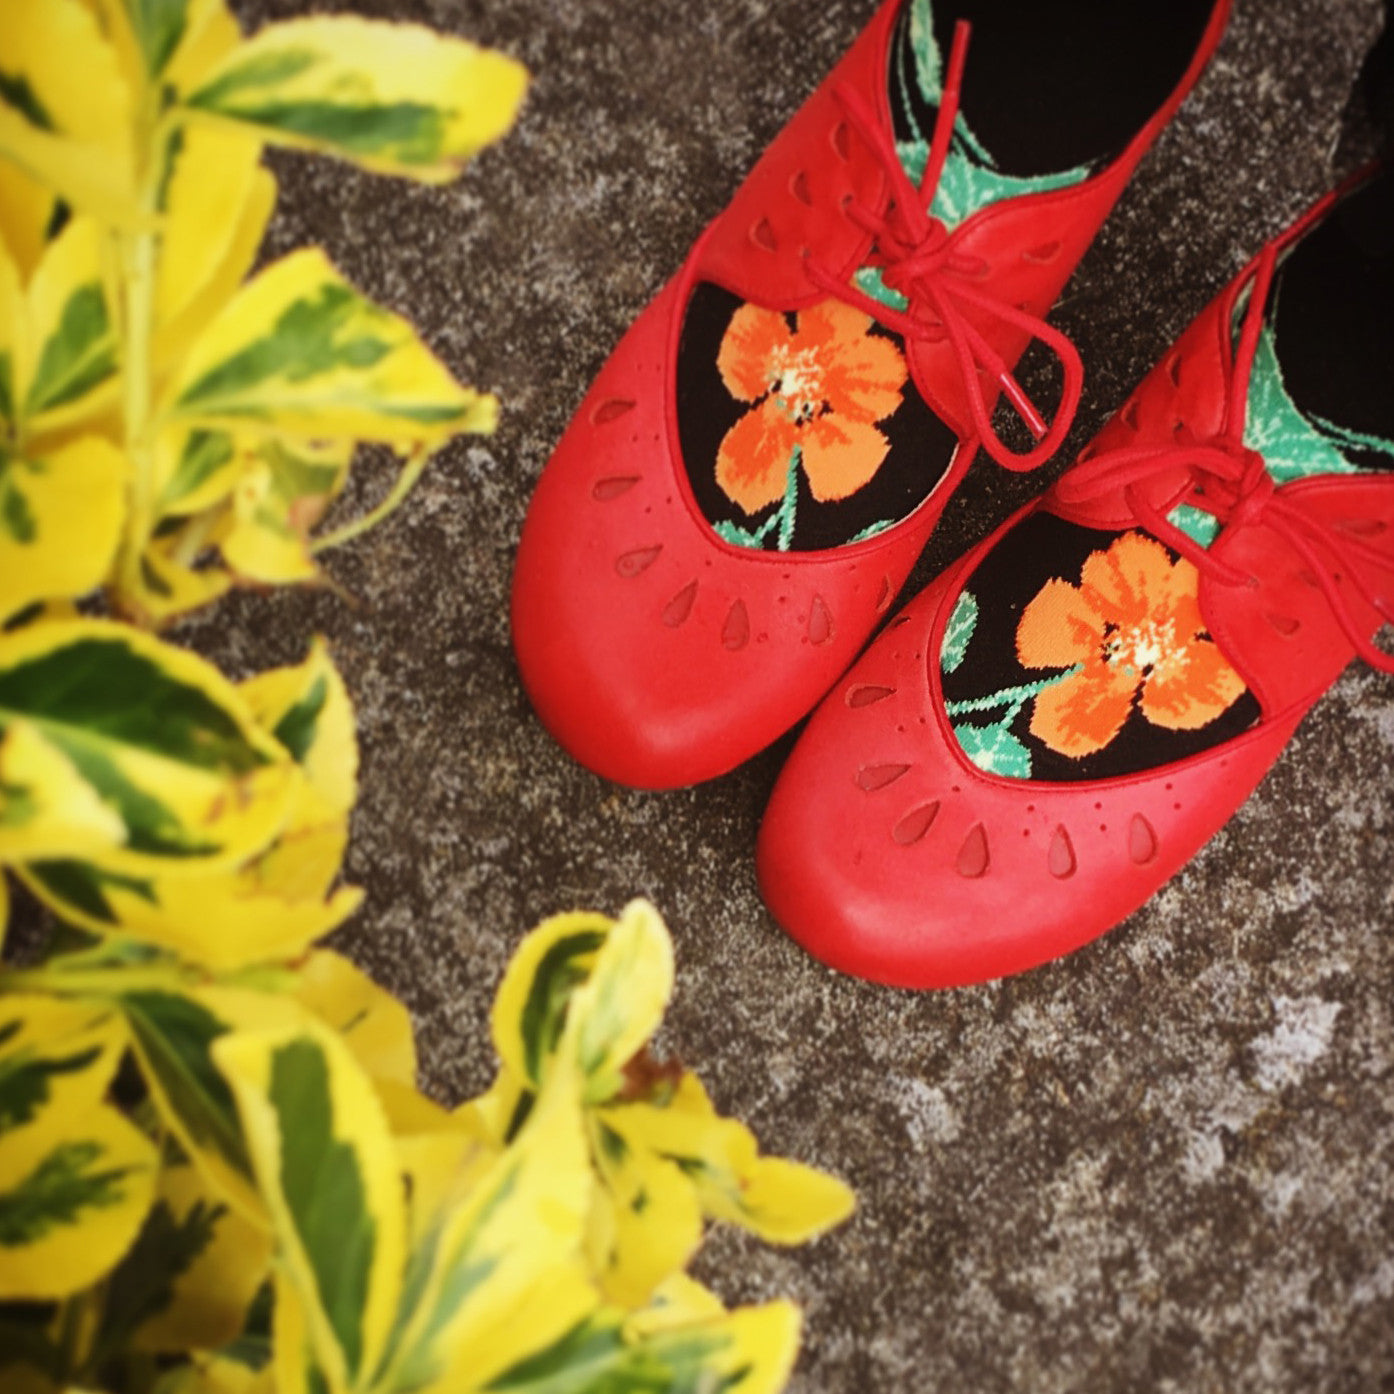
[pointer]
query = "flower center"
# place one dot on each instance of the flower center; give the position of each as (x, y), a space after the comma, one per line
(796, 380)
(1141, 647)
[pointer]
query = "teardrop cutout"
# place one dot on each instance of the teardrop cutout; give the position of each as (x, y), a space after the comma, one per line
(613, 487)
(1142, 840)
(611, 410)
(874, 777)
(1062, 855)
(820, 622)
(680, 606)
(867, 695)
(973, 856)
(915, 824)
(735, 633)
(632, 563)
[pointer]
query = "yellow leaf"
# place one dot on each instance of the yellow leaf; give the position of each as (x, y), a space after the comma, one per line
(209, 1299)
(158, 735)
(65, 118)
(296, 1369)
(298, 352)
(211, 35)
(26, 211)
(261, 543)
(13, 337)
(174, 338)
(72, 1200)
(217, 1374)
(645, 1221)
(212, 182)
(47, 809)
(60, 521)
(324, 1162)
(678, 1301)
(375, 1026)
(70, 368)
(782, 1202)
(395, 98)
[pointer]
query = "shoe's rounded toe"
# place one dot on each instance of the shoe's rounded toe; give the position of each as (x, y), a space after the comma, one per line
(654, 652)
(887, 855)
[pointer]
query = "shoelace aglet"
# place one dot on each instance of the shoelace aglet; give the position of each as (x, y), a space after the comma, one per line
(1024, 406)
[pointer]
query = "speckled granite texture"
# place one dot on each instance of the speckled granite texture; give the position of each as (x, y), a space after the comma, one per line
(1164, 1164)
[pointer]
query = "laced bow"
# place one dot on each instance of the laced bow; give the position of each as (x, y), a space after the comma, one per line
(920, 263)
(1232, 483)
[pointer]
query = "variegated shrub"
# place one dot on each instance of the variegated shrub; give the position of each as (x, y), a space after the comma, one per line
(217, 1175)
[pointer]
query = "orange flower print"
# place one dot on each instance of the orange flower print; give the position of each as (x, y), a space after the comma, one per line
(1132, 626)
(820, 387)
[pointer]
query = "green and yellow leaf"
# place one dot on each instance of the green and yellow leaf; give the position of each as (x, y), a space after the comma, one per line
(622, 1002)
(306, 707)
(56, 1060)
(157, 734)
(281, 494)
(70, 368)
(206, 1296)
(645, 1221)
(47, 808)
(213, 180)
(530, 1010)
(72, 1200)
(166, 587)
(783, 1202)
(375, 1026)
(194, 470)
(394, 98)
(26, 214)
(277, 904)
(13, 336)
(515, 1225)
(60, 521)
(218, 1374)
(65, 107)
(174, 337)
(298, 352)
(558, 1302)
(173, 1035)
(223, 920)
(324, 1161)
(750, 1350)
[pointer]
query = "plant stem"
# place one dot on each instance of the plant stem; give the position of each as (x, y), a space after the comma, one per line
(138, 254)
(1014, 697)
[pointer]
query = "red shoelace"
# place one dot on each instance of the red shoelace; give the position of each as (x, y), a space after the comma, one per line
(1232, 484)
(917, 259)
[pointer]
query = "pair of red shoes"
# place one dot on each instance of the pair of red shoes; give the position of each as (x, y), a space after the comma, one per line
(1051, 729)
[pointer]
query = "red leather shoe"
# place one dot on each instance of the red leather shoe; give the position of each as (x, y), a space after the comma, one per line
(760, 462)
(1058, 723)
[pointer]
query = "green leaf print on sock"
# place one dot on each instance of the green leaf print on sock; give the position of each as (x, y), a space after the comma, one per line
(958, 632)
(995, 750)
(1293, 445)
(970, 180)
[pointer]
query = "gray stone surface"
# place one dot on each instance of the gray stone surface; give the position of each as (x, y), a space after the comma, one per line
(1166, 1163)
